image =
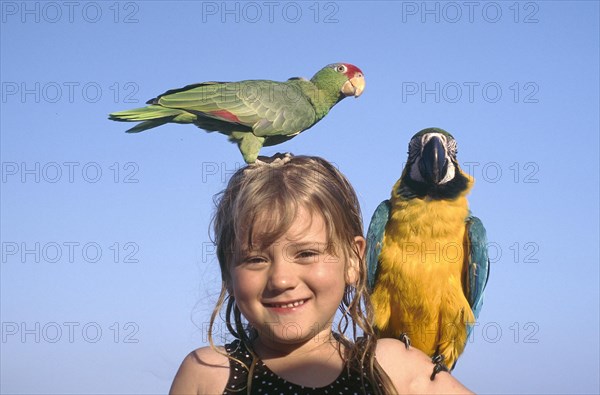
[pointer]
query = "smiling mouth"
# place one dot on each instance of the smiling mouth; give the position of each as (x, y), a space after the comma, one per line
(287, 305)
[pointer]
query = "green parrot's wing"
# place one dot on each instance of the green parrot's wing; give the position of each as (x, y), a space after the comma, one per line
(375, 240)
(478, 269)
(268, 107)
(184, 89)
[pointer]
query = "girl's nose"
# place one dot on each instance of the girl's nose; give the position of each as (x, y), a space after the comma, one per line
(282, 275)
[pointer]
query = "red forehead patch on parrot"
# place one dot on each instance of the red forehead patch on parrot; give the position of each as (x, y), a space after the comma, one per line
(226, 115)
(352, 70)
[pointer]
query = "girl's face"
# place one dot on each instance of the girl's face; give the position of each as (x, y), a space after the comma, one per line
(290, 290)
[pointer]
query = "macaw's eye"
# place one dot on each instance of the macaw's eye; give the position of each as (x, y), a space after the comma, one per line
(452, 147)
(414, 146)
(341, 68)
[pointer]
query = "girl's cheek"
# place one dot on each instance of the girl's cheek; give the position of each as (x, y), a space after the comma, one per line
(247, 282)
(329, 273)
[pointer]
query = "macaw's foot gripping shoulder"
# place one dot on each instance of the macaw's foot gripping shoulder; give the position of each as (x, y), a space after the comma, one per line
(404, 339)
(438, 361)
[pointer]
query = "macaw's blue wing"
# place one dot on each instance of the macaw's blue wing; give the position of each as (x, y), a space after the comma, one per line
(479, 264)
(375, 240)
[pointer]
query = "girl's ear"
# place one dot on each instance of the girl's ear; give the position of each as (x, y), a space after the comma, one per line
(353, 270)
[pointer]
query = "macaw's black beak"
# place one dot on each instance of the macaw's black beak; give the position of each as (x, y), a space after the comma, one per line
(433, 164)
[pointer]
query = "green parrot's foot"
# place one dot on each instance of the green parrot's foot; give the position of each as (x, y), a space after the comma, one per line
(278, 159)
(438, 360)
(248, 144)
(404, 339)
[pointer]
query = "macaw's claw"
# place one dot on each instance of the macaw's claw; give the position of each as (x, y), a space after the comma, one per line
(404, 339)
(438, 360)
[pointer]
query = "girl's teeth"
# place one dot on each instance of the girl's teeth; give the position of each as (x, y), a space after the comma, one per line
(290, 305)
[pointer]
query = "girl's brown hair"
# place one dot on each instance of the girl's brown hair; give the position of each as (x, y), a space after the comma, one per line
(275, 189)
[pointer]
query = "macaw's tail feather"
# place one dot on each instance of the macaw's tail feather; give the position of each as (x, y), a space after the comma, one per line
(151, 117)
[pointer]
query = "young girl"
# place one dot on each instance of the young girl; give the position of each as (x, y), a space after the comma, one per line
(288, 232)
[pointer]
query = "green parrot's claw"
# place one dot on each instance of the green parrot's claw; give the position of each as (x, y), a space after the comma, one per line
(248, 144)
(404, 339)
(438, 360)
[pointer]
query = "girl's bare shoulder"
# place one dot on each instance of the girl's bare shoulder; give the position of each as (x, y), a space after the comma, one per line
(410, 370)
(203, 371)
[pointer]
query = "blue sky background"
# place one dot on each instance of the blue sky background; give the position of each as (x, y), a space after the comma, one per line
(107, 273)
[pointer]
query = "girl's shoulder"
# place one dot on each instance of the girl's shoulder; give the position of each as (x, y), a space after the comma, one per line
(410, 370)
(203, 371)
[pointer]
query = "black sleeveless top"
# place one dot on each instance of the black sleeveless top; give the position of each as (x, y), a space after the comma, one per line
(267, 382)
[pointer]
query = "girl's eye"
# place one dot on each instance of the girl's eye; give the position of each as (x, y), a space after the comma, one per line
(253, 260)
(308, 255)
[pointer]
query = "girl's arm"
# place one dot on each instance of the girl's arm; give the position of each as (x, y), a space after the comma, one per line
(204, 371)
(410, 370)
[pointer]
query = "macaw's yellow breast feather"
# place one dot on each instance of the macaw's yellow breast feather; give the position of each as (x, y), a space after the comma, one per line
(423, 256)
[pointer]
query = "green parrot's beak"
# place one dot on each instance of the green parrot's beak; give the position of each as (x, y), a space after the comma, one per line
(354, 86)
(433, 164)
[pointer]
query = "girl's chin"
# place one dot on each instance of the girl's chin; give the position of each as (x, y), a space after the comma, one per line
(290, 332)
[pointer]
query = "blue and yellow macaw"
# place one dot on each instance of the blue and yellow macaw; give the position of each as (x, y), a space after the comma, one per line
(427, 254)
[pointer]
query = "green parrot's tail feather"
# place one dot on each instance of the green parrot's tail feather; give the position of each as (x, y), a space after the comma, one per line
(151, 117)
(148, 125)
(144, 114)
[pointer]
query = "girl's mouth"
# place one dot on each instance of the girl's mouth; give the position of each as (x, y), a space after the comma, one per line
(289, 305)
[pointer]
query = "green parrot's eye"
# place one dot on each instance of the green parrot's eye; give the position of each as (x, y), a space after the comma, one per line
(341, 68)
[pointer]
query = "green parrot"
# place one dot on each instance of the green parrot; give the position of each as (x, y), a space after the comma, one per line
(253, 113)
